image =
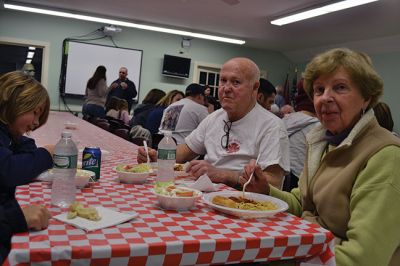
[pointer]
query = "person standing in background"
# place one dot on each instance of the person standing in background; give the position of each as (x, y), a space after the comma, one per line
(279, 98)
(123, 88)
(96, 94)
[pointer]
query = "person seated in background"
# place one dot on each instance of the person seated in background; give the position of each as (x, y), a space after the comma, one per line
(350, 183)
(384, 116)
(25, 106)
(298, 124)
(29, 70)
(240, 131)
(112, 107)
(123, 113)
(266, 94)
(153, 120)
(96, 94)
(286, 109)
(212, 103)
(184, 116)
(148, 104)
(279, 98)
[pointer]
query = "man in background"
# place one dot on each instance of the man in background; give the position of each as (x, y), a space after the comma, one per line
(182, 117)
(123, 88)
(266, 94)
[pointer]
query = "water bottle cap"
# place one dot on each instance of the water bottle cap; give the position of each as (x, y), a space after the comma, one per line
(66, 134)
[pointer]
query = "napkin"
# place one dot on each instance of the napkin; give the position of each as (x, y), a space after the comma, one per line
(203, 183)
(108, 218)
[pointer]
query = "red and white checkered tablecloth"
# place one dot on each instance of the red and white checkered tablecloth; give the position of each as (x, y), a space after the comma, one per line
(158, 237)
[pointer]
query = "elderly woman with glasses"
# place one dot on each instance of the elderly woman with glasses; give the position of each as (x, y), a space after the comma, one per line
(350, 183)
(238, 132)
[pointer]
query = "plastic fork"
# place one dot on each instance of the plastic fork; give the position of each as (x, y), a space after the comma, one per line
(251, 176)
(147, 155)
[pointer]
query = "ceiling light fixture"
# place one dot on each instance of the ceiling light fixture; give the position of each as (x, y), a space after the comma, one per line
(319, 11)
(28, 61)
(123, 23)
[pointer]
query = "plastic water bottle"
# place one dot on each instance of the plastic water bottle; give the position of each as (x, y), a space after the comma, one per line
(166, 158)
(65, 158)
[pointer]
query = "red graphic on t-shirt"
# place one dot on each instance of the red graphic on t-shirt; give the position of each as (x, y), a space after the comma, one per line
(233, 147)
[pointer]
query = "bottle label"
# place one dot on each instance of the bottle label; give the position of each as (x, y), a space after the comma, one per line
(166, 154)
(65, 161)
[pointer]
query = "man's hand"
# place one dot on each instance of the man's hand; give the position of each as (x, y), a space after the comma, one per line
(124, 85)
(114, 85)
(36, 216)
(198, 168)
(142, 157)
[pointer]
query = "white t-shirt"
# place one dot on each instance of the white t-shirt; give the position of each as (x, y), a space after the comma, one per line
(259, 131)
(182, 117)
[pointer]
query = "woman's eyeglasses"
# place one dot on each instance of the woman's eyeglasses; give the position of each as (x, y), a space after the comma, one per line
(225, 138)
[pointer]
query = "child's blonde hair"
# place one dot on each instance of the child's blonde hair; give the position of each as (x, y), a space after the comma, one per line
(20, 94)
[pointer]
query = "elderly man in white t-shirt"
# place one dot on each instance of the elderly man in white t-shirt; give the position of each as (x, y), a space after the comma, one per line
(230, 137)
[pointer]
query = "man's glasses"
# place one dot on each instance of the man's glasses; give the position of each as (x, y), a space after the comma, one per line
(225, 138)
(122, 72)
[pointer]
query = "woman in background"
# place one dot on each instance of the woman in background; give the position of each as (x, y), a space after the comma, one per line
(148, 104)
(96, 94)
(154, 118)
(384, 116)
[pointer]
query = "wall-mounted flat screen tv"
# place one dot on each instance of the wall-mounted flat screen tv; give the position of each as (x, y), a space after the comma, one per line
(176, 66)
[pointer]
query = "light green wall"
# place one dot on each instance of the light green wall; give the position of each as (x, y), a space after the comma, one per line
(54, 30)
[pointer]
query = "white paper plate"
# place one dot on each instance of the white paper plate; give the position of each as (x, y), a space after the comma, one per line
(282, 206)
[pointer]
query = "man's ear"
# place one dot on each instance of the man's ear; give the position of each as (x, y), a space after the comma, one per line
(260, 97)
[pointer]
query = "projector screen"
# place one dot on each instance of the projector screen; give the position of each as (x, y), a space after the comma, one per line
(81, 60)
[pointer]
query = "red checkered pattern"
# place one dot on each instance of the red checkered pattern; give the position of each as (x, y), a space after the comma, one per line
(156, 236)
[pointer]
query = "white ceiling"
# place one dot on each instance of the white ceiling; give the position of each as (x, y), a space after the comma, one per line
(373, 28)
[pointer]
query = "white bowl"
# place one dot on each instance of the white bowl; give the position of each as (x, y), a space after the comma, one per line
(176, 202)
(83, 177)
(131, 177)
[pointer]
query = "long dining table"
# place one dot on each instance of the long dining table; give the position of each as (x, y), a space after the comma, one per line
(199, 236)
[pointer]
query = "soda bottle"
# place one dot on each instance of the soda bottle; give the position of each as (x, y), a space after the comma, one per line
(65, 158)
(166, 158)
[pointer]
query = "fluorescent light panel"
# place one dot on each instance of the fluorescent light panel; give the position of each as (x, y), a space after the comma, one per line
(28, 61)
(123, 23)
(32, 48)
(320, 11)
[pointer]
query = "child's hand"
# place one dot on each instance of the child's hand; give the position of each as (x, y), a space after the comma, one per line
(36, 216)
(49, 148)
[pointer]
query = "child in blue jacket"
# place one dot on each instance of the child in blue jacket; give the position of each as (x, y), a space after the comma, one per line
(24, 106)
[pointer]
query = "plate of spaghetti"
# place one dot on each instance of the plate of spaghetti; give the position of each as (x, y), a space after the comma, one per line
(253, 205)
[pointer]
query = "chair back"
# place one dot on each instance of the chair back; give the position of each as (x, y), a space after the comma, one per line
(122, 132)
(140, 132)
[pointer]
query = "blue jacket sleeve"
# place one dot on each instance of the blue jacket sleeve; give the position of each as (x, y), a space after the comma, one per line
(21, 163)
